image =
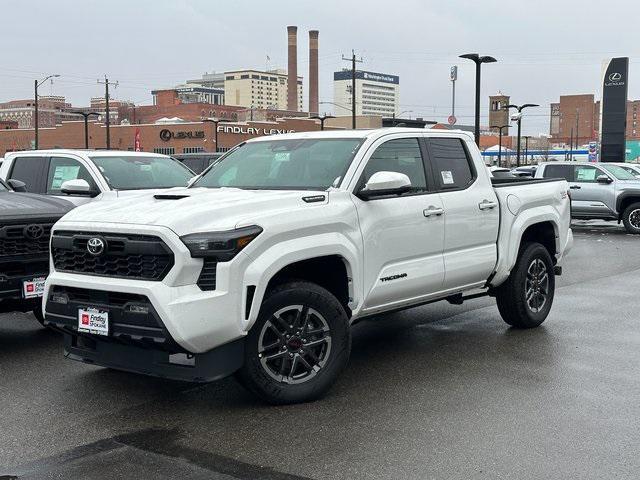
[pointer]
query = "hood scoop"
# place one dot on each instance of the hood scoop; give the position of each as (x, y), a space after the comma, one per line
(170, 196)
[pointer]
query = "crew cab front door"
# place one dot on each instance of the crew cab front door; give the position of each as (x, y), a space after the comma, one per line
(588, 196)
(402, 234)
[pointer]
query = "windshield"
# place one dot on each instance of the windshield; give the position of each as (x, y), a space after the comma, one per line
(301, 164)
(136, 172)
(618, 172)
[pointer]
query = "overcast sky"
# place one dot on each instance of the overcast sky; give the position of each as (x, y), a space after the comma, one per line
(545, 48)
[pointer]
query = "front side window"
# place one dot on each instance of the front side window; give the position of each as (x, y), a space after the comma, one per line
(300, 164)
(62, 169)
(401, 155)
(27, 170)
(138, 172)
(451, 163)
(586, 173)
(621, 173)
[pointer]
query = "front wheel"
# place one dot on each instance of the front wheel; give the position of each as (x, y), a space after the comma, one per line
(524, 299)
(37, 312)
(298, 346)
(631, 218)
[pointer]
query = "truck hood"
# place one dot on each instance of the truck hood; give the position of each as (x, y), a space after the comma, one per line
(16, 204)
(190, 210)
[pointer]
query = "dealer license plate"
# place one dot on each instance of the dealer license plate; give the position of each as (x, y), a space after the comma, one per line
(93, 320)
(33, 288)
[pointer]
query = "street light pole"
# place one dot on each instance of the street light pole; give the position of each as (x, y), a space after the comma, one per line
(526, 149)
(36, 84)
(500, 141)
(519, 120)
(478, 60)
(322, 119)
(86, 116)
(215, 122)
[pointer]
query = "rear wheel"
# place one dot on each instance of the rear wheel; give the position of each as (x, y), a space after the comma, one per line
(525, 298)
(298, 346)
(631, 218)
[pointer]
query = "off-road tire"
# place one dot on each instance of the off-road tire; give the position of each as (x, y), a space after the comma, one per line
(512, 296)
(631, 218)
(258, 373)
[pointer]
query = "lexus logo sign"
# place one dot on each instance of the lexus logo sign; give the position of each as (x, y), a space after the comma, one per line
(615, 77)
(96, 246)
(165, 135)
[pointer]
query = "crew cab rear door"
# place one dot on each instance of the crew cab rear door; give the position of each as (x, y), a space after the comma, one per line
(402, 234)
(471, 212)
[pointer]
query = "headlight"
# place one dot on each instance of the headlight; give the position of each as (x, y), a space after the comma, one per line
(221, 246)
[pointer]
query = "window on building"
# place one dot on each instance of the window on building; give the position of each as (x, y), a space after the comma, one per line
(243, 77)
(451, 163)
(165, 150)
(192, 149)
(230, 77)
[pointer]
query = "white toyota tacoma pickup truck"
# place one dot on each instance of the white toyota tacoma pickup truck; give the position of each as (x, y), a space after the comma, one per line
(261, 265)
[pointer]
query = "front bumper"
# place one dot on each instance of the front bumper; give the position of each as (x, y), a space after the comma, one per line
(11, 285)
(196, 321)
(203, 367)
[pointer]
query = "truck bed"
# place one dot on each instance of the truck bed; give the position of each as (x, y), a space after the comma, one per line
(498, 182)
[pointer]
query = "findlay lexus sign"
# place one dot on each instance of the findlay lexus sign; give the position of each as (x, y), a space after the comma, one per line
(251, 130)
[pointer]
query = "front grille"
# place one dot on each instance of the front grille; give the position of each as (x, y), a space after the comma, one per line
(207, 278)
(132, 318)
(15, 242)
(139, 257)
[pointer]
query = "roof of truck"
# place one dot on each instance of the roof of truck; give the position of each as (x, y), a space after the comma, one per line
(364, 133)
(78, 151)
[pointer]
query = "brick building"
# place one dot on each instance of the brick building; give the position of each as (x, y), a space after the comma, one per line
(498, 113)
(185, 137)
(581, 114)
(52, 110)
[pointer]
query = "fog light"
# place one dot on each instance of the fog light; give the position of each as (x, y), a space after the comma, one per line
(63, 299)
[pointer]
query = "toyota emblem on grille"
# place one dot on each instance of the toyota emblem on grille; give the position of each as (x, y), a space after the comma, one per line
(34, 232)
(96, 246)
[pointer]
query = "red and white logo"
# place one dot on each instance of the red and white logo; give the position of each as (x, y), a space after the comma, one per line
(30, 288)
(85, 319)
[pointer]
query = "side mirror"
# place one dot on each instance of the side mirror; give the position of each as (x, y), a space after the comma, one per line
(603, 179)
(17, 185)
(77, 187)
(385, 183)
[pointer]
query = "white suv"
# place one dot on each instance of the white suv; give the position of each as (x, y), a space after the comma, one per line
(81, 176)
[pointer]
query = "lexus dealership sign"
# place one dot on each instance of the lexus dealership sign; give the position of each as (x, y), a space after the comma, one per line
(614, 110)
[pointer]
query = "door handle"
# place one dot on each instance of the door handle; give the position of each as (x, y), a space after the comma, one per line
(427, 212)
(487, 205)
(575, 187)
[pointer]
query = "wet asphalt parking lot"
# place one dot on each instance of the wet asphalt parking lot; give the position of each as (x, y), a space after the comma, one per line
(439, 391)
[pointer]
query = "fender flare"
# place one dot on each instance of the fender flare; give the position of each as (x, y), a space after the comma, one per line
(265, 266)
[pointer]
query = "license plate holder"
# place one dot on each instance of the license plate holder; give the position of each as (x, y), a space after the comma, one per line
(93, 320)
(33, 288)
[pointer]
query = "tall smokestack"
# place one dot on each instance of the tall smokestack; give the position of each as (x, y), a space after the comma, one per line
(292, 69)
(313, 72)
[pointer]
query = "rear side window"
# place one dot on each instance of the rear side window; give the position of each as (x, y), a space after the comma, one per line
(451, 163)
(62, 169)
(28, 170)
(559, 171)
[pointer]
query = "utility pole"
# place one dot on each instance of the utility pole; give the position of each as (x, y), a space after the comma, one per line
(353, 86)
(106, 84)
(36, 84)
(577, 126)
(453, 76)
